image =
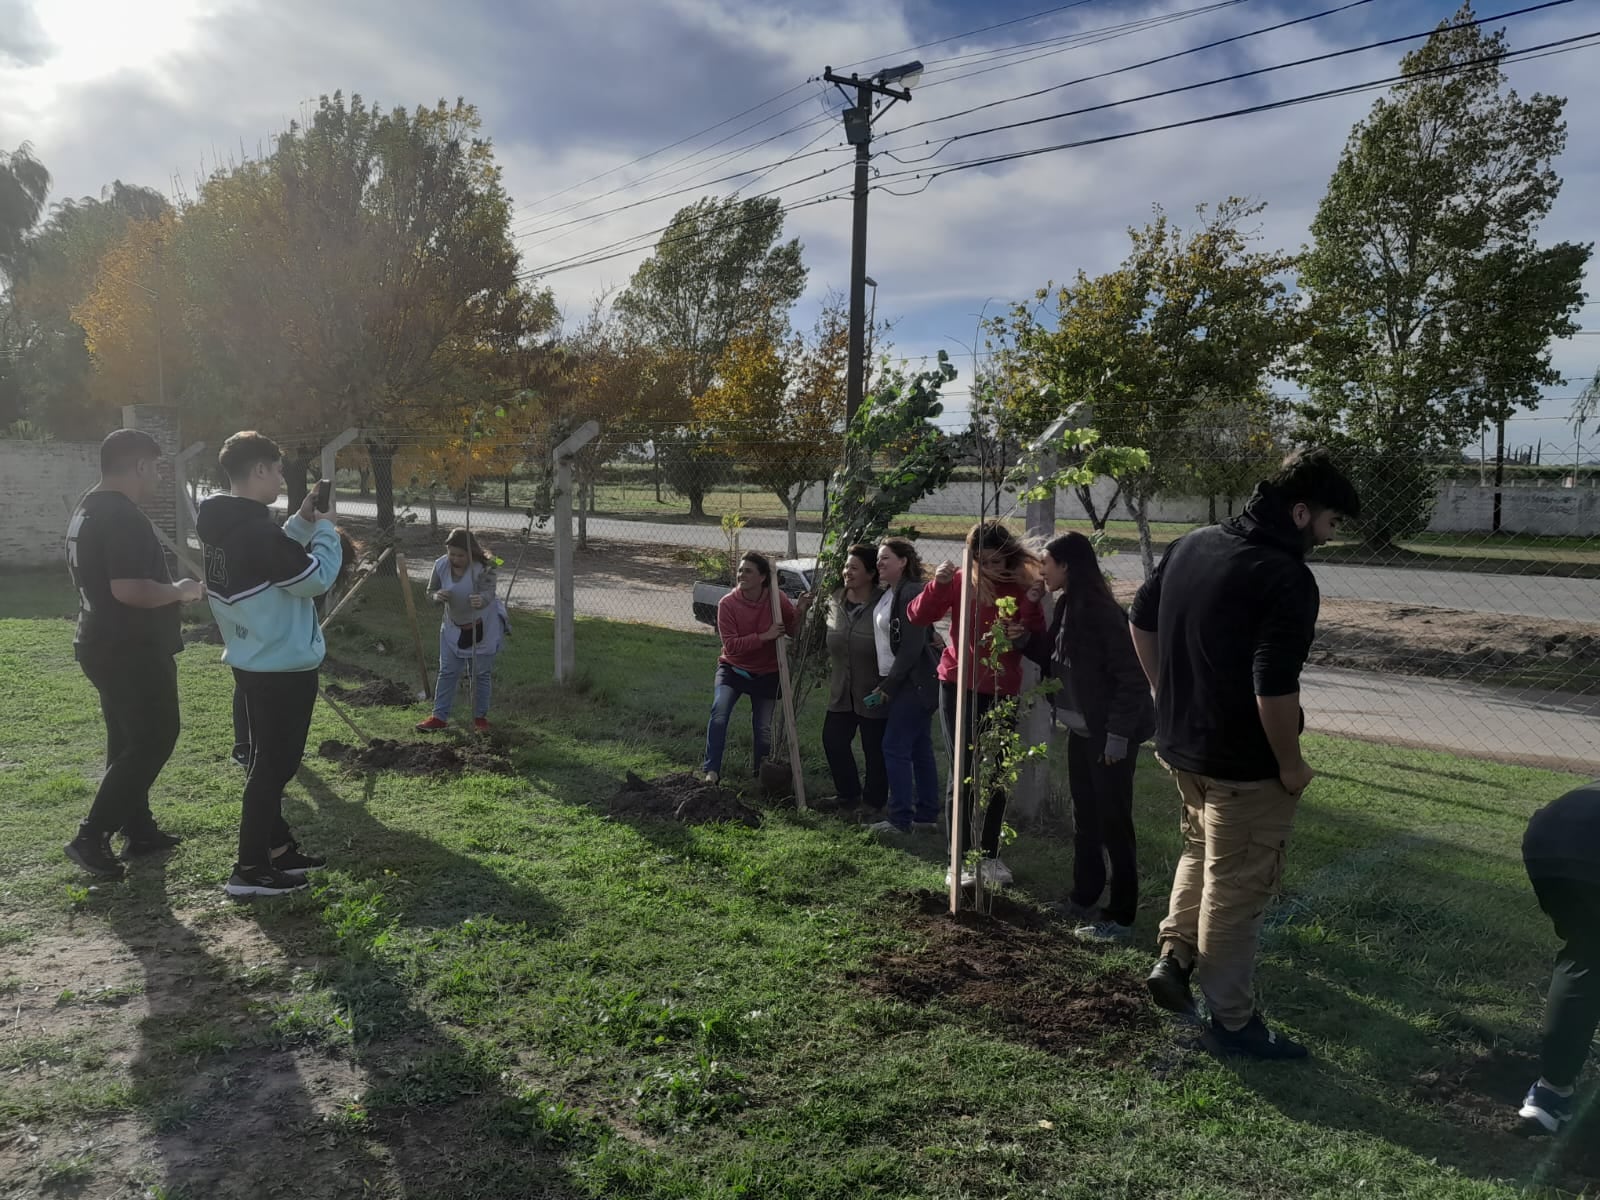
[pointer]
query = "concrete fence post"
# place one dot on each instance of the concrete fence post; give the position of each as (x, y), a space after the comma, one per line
(565, 639)
(330, 456)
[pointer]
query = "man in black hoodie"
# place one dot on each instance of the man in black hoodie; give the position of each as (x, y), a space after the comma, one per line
(1222, 629)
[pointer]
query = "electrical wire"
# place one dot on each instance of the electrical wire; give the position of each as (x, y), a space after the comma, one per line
(1205, 83)
(1560, 46)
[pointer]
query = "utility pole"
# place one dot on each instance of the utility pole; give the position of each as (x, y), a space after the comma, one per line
(858, 121)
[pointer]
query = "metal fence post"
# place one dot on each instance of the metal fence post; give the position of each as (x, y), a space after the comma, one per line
(562, 455)
(183, 504)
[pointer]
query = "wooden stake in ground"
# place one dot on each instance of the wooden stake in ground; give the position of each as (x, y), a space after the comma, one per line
(788, 702)
(184, 560)
(959, 764)
(339, 712)
(411, 615)
(356, 587)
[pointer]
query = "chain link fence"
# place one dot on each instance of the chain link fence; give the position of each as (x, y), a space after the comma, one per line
(1474, 631)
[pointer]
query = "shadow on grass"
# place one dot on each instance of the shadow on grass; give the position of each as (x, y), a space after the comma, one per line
(401, 1098)
(225, 1097)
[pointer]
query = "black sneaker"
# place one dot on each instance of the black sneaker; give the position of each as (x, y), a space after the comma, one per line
(92, 852)
(1545, 1111)
(1169, 986)
(149, 841)
(293, 862)
(241, 757)
(1255, 1040)
(262, 881)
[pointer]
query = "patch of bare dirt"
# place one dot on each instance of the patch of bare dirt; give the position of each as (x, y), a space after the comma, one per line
(1450, 644)
(418, 758)
(1020, 969)
(209, 635)
(376, 693)
(680, 797)
(1447, 643)
(1480, 1090)
(1484, 1090)
(95, 1007)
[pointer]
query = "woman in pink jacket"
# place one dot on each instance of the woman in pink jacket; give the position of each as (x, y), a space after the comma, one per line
(1003, 568)
(748, 665)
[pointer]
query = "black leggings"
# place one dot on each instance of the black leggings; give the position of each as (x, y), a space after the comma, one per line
(278, 706)
(838, 735)
(994, 815)
(1102, 810)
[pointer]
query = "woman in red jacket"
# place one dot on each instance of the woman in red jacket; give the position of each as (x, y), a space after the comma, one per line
(749, 662)
(1003, 568)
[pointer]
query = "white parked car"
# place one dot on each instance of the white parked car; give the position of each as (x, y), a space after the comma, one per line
(794, 579)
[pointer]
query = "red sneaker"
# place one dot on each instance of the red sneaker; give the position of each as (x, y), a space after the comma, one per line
(431, 725)
(481, 724)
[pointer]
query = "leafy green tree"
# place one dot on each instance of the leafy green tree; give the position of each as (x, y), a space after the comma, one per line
(1432, 304)
(1190, 324)
(720, 271)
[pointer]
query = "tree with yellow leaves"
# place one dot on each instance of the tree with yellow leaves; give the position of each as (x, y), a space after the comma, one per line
(132, 320)
(779, 408)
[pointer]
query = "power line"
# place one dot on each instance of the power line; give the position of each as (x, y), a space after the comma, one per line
(763, 170)
(1149, 62)
(1015, 59)
(598, 256)
(1561, 46)
(1113, 31)
(1119, 30)
(1238, 75)
(682, 163)
(1057, 39)
(669, 146)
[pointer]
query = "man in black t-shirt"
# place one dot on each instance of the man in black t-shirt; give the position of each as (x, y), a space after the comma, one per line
(127, 637)
(1222, 628)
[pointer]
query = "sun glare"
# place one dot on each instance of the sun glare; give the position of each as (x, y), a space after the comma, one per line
(93, 38)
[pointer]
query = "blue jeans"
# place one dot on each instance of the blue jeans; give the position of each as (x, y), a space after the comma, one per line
(451, 668)
(730, 685)
(909, 761)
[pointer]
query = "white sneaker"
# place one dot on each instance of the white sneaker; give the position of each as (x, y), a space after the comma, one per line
(712, 778)
(996, 873)
(967, 877)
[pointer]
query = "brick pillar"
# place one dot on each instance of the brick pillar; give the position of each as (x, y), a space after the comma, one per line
(160, 423)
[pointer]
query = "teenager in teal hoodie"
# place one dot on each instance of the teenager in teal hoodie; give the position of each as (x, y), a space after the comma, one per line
(262, 582)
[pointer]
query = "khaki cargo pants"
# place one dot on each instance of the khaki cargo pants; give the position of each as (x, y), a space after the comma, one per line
(1235, 839)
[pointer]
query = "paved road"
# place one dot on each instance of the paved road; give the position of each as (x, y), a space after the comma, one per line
(1519, 595)
(1544, 728)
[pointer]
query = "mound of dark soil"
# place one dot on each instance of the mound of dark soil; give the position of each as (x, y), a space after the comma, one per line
(208, 634)
(417, 758)
(680, 797)
(1017, 968)
(376, 693)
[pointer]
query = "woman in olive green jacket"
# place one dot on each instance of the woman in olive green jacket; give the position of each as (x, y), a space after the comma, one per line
(853, 653)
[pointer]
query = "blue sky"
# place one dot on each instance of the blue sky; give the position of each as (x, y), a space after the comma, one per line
(573, 88)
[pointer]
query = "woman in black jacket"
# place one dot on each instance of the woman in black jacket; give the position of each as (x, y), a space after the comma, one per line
(909, 691)
(1104, 702)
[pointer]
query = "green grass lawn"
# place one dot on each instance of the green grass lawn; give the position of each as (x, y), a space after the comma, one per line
(498, 990)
